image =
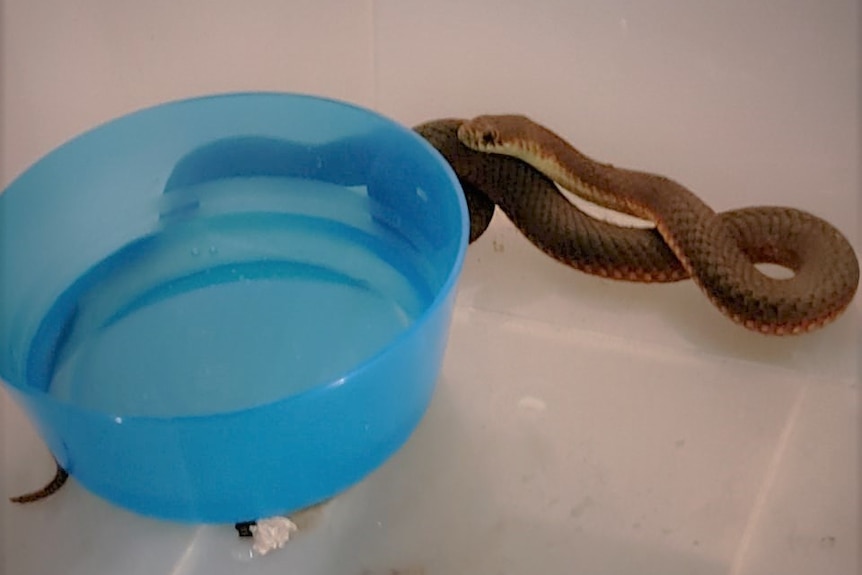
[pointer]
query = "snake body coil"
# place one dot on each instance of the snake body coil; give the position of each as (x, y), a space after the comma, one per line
(513, 162)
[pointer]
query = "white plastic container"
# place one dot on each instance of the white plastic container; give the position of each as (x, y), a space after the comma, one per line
(581, 425)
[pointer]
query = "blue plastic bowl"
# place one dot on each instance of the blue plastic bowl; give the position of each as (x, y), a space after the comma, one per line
(229, 307)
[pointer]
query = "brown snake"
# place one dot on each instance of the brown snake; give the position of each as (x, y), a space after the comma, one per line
(501, 157)
(60, 477)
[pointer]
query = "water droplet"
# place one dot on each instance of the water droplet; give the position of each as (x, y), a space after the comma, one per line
(195, 251)
(213, 250)
(422, 194)
(118, 419)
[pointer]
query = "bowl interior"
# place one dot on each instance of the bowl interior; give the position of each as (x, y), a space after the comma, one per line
(212, 255)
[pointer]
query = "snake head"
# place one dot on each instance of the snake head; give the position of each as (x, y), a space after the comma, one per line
(481, 133)
(493, 133)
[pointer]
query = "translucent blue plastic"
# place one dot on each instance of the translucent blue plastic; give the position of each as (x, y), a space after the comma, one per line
(229, 307)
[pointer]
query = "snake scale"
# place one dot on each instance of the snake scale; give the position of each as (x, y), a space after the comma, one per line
(515, 164)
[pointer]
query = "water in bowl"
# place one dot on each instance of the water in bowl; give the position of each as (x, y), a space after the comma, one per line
(250, 290)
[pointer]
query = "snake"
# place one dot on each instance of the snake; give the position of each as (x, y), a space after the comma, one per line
(60, 477)
(517, 165)
(718, 251)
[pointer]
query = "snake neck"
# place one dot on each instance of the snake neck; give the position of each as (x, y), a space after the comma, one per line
(632, 192)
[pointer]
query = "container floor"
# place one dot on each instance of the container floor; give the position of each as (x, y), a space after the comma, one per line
(581, 425)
